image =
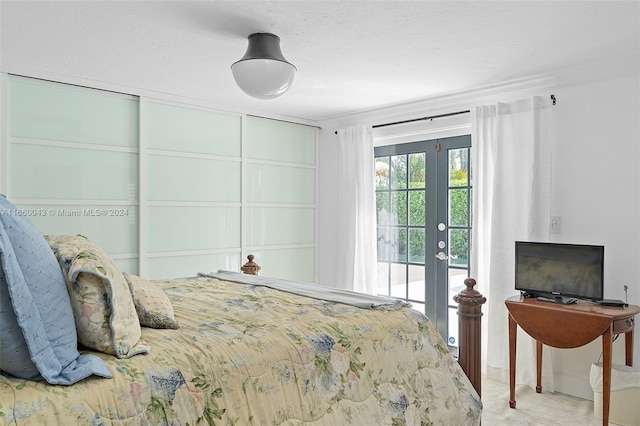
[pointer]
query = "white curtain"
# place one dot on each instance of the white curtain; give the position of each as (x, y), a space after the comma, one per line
(511, 145)
(356, 255)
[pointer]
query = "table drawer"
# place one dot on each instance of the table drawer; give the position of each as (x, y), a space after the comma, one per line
(623, 325)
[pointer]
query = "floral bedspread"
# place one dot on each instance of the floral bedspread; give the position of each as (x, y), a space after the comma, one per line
(247, 355)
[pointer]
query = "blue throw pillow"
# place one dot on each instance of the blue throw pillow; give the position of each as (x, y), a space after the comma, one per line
(38, 338)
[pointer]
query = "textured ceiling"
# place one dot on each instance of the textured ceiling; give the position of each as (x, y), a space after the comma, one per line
(351, 55)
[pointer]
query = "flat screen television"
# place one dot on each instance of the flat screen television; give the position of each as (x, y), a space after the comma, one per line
(560, 270)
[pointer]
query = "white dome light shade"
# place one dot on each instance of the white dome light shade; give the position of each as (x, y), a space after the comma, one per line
(263, 72)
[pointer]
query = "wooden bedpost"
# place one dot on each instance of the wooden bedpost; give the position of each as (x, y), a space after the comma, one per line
(250, 267)
(470, 303)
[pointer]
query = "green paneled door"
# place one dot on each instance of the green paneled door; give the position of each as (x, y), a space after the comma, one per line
(193, 184)
(74, 156)
(190, 189)
(279, 195)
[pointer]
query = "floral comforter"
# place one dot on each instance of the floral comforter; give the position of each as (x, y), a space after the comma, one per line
(250, 355)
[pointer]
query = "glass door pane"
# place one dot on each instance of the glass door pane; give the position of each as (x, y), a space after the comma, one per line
(402, 199)
(423, 207)
(459, 225)
(398, 280)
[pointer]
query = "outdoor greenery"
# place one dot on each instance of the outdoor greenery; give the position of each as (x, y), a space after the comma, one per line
(459, 216)
(406, 173)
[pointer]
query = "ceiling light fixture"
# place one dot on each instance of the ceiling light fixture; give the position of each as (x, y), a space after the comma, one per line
(263, 72)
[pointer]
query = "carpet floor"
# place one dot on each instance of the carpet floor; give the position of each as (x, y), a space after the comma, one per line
(532, 409)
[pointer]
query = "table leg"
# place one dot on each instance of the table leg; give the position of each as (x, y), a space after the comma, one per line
(513, 328)
(606, 375)
(538, 367)
(628, 348)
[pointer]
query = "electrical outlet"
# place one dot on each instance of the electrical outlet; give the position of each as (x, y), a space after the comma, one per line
(555, 224)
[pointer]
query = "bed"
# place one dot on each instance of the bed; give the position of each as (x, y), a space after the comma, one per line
(220, 348)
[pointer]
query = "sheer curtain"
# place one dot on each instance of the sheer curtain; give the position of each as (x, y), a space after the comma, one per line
(511, 201)
(356, 264)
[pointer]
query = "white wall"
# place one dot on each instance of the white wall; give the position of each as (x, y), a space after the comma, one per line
(596, 191)
(595, 185)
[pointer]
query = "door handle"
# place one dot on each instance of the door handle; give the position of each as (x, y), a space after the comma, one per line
(442, 256)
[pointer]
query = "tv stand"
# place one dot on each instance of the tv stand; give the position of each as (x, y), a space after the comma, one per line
(569, 326)
(558, 299)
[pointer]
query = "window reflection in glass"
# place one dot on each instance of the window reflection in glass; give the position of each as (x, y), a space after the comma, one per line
(459, 167)
(398, 172)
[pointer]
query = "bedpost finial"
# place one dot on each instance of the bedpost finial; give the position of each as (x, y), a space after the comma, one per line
(250, 267)
(469, 296)
(470, 283)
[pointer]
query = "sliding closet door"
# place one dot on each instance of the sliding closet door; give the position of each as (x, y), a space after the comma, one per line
(191, 190)
(73, 162)
(279, 197)
(167, 190)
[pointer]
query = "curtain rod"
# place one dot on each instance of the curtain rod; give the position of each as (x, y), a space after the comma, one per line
(375, 126)
(420, 119)
(553, 101)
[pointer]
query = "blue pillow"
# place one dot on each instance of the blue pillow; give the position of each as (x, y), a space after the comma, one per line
(38, 337)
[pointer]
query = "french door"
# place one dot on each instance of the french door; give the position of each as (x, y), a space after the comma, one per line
(423, 204)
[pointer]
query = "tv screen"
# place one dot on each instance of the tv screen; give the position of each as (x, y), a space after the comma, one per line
(554, 269)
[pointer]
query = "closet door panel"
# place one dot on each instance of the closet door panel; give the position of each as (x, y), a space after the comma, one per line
(65, 113)
(278, 184)
(99, 223)
(193, 179)
(190, 228)
(181, 129)
(55, 173)
(293, 264)
(280, 141)
(280, 225)
(189, 266)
